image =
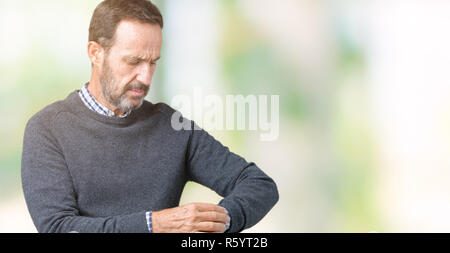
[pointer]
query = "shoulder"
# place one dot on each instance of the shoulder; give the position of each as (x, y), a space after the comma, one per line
(46, 116)
(169, 116)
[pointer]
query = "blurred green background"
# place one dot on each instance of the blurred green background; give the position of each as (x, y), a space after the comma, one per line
(364, 90)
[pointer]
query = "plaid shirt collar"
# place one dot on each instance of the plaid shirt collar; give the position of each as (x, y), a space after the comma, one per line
(94, 105)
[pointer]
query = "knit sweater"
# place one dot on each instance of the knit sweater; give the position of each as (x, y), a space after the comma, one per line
(86, 172)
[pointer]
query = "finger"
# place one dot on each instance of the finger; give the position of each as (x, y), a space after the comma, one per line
(207, 207)
(211, 227)
(213, 216)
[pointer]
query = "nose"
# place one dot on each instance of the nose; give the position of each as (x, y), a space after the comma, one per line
(145, 73)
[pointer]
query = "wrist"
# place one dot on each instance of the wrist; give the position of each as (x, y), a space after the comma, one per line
(155, 226)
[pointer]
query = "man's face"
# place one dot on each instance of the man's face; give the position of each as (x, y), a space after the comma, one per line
(129, 65)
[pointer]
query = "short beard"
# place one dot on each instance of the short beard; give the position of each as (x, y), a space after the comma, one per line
(116, 97)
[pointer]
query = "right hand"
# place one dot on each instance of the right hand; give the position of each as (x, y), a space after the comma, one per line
(190, 218)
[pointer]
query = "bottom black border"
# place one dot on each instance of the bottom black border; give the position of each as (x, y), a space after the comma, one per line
(249, 242)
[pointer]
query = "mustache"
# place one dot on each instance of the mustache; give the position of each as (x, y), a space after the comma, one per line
(136, 86)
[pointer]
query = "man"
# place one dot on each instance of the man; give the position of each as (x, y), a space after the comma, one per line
(106, 160)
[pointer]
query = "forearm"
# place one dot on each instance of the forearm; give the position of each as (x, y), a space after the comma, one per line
(64, 222)
(248, 192)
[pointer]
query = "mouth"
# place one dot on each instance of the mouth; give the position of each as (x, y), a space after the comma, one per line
(137, 93)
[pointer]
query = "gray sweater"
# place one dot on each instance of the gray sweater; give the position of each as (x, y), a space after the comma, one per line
(82, 171)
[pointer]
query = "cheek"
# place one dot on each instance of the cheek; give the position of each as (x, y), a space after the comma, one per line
(124, 75)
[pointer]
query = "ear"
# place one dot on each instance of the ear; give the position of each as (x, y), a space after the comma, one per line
(95, 53)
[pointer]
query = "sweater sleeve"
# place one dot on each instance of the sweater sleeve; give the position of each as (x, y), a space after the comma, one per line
(248, 192)
(49, 191)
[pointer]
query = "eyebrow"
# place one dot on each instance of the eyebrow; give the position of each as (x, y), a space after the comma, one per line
(138, 58)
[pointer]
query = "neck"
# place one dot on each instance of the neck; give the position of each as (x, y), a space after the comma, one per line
(95, 88)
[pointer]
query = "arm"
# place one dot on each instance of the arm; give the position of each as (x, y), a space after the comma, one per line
(249, 193)
(50, 194)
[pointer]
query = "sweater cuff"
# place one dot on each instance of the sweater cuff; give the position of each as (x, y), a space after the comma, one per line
(148, 217)
(237, 222)
(133, 223)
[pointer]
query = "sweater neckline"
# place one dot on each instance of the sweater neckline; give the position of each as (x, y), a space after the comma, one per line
(75, 100)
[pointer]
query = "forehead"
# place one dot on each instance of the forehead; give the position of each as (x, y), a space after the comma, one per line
(133, 37)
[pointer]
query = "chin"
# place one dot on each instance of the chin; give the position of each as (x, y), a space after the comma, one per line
(137, 102)
(131, 104)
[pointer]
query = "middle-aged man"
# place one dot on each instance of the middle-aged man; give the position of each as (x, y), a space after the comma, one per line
(106, 160)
